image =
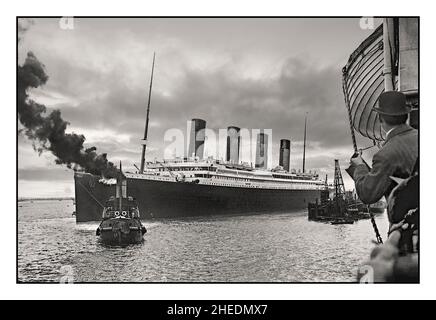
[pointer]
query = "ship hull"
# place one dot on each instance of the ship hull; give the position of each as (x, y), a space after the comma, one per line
(118, 238)
(163, 199)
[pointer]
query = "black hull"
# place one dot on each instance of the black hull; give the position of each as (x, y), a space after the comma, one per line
(121, 231)
(160, 199)
(376, 210)
(342, 222)
(109, 237)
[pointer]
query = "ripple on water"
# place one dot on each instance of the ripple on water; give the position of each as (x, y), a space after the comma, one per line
(262, 248)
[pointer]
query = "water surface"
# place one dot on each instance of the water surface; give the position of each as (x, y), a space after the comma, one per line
(253, 248)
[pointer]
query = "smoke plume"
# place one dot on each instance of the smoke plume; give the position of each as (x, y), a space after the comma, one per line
(47, 130)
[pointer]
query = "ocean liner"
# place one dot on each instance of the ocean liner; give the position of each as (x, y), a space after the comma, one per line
(194, 186)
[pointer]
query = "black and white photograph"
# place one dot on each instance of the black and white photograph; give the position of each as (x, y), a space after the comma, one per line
(225, 149)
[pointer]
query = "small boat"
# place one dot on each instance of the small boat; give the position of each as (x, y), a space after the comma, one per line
(342, 221)
(378, 207)
(121, 224)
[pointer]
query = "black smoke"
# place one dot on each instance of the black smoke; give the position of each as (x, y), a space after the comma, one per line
(47, 130)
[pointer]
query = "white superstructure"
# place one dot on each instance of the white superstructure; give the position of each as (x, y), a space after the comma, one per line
(215, 173)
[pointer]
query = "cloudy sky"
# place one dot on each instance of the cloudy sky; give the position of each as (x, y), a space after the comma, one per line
(251, 73)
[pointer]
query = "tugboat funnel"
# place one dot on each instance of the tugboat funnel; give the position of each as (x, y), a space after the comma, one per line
(121, 189)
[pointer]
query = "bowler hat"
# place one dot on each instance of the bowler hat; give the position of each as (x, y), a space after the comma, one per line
(392, 103)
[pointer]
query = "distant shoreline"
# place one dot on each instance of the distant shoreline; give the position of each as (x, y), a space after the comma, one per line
(47, 198)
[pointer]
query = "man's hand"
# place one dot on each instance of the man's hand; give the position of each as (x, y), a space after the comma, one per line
(355, 161)
(382, 259)
(388, 266)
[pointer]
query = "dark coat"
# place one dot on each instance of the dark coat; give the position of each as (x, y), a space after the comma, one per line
(396, 158)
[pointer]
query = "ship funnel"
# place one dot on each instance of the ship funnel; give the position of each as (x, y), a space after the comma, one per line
(196, 138)
(285, 153)
(262, 151)
(233, 142)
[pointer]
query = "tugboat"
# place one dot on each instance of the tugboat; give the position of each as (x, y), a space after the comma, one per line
(121, 224)
(378, 207)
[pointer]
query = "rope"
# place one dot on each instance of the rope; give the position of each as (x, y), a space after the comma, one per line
(363, 149)
(92, 196)
(374, 226)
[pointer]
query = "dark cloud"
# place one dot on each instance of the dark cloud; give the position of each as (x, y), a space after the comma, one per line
(224, 98)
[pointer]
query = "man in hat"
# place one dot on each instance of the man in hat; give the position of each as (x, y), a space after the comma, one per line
(396, 158)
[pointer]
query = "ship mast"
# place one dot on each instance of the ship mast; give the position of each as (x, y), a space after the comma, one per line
(304, 146)
(144, 142)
